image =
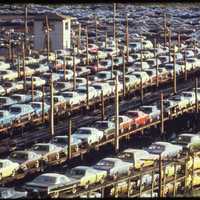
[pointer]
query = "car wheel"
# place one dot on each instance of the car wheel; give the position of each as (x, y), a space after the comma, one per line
(13, 173)
(74, 189)
(55, 194)
(37, 164)
(115, 176)
(102, 180)
(87, 185)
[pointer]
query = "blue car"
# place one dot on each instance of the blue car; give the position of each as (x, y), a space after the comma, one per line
(6, 118)
(6, 101)
(22, 111)
(37, 106)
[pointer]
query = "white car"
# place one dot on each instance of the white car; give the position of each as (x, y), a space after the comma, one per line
(131, 81)
(152, 62)
(88, 135)
(165, 149)
(181, 101)
(8, 74)
(105, 87)
(4, 65)
(190, 96)
(82, 91)
(104, 75)
(193, 63)
(2, 90)
(112, 85)
(71, 97)
(145, 65)
(142, 75)
(37, 81)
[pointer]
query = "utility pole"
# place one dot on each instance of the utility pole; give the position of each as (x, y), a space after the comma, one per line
(25, 28)
(169, 44)
(96, 27)
(87, 55)
(102, 106)
(69, 138)
(116, 115)
(32, 88)
(43, 93)
(112, 66)
(51, 107)
(114, 28)
(174, 71)
(9, 45)
(185, 66)
(157, 79)
(106, 38)
(23, 64)
(124, 80)
(127, 40)
(79, 37)
(74, 70)
(165, 29)
(179, 42)
(196, 97)
(161, 115)
(141, 56)
(47, 32)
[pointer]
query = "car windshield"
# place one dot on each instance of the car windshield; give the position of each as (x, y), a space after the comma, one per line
(67, 94)
(184, 139)
(101, 125)
(146, 109)
(81, 90)
(166, 103)
(106, 163)
(60, 85)
(176, 98)
(35, 105)
(19, 156)
(83, 131)
(58, 140)
(2, 100)
(125, 156)
(15, 109)
(102, 75)
(187, 94)
(77, 172)
(97, 87)
(17, 98)
(157, 147)
(45, 179)
(1, 114)
(150, 62)
(41, 148)
(103, 62)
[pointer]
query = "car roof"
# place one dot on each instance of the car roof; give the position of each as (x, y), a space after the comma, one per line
(52, 174)
(82, 167)
(188, 134)
(111, 159)
(162, 143)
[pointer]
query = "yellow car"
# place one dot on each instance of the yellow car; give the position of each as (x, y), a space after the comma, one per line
(121, 188)
(138, 157)
(87, 175)
(196, 163)
(170, 169)
(8, 168)
(196, 179)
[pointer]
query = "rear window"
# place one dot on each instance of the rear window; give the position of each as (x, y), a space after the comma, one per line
(41, 148)
(19, 156)
(79, 172)
(15, 110)
(105, 163)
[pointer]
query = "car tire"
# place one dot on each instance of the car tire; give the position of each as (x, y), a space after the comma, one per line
(102, 180)
(115, 176)
(55, 195)
(87, 185)
(74, 189)
(13, 173)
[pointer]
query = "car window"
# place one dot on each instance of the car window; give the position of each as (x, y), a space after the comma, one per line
(184, 139)
(19, 156)
(157, 147)
(107, 163)
(125, 156)
(45, 179)
(78, 172)
(83, 131)
(15, 110)
(41, 148)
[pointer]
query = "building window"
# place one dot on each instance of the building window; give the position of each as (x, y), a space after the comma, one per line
(66, 26)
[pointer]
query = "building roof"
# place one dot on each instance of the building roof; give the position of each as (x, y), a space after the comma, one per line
(51, 16)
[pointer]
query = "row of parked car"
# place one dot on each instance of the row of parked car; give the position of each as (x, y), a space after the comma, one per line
(125, 163)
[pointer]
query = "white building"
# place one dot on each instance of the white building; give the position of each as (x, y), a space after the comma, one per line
(59, 34)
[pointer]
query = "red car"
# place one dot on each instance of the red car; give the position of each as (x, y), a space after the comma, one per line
(139, 118)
